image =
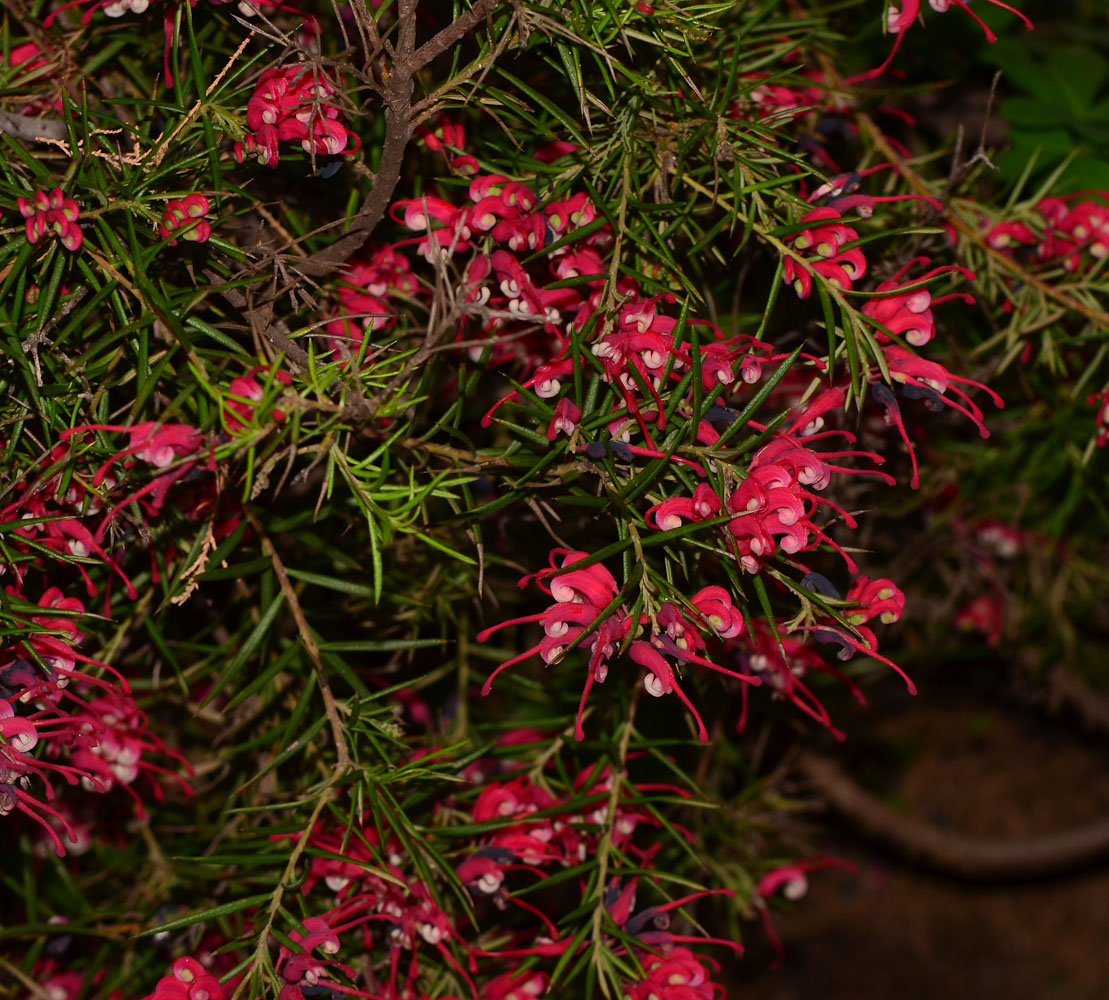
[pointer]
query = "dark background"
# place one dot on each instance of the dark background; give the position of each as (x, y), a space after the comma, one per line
(972, 754)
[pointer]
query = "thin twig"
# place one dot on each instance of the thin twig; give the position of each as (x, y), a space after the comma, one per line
(342, 754)
(287, 879)
(160, 149)
(604, 848)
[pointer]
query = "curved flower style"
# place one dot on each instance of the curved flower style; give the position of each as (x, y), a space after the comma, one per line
(583, 598)
(900, 18)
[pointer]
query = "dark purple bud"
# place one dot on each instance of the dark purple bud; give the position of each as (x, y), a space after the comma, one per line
(500, 855)
(932, 399)
(819, 584)
(621, 451)
(720, 415)
(882, 394)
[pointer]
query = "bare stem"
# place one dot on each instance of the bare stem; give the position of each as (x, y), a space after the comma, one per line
(342, 753)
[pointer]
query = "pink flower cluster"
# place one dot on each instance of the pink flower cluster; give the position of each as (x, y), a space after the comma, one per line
(584, 594)
(523, 320)
(1075, 235)
(539, 831)
(295, 103)
(679, 975)
(185, 218)
(382, 907)
(188, 980)
(51, 213)
(822, 242)
(103, 741)
(773, 506)
(449, 138)
(365, 293)
(905, 310)
(508, 299)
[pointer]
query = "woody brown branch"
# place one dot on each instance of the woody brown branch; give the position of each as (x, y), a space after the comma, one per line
(397, 98)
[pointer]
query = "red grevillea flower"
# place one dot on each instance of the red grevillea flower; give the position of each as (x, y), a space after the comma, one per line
(185, 218)
(295, 102)
(160, 445)
(51, 213)
(790, 882)
(189, 980)
(580, 597)
(118, 745)
(675, 975)
(822, 244)
(583, 595)
(934, 382)
(246, 392)
(906, 311)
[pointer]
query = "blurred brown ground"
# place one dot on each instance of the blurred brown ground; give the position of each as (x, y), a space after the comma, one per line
(889, 931)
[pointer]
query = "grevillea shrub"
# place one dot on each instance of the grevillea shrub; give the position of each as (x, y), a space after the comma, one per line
(435, 438)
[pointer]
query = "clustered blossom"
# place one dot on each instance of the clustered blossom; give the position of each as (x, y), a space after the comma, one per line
(189, 980)
(527, 842)
(523, 320)
(295, 102)
(561, 316)
(449, 138)
(1071, 231)
(380, 905)
(95, 743)
(52, 696)
(369, 286)
(59, 717)
(51, 214)
(772, 509)
(185, 218)
(583, 613)
(905, 310)
(822, 244)
(679, 975)
(1075, 235)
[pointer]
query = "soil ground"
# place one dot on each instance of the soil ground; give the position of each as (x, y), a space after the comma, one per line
(889, 931)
